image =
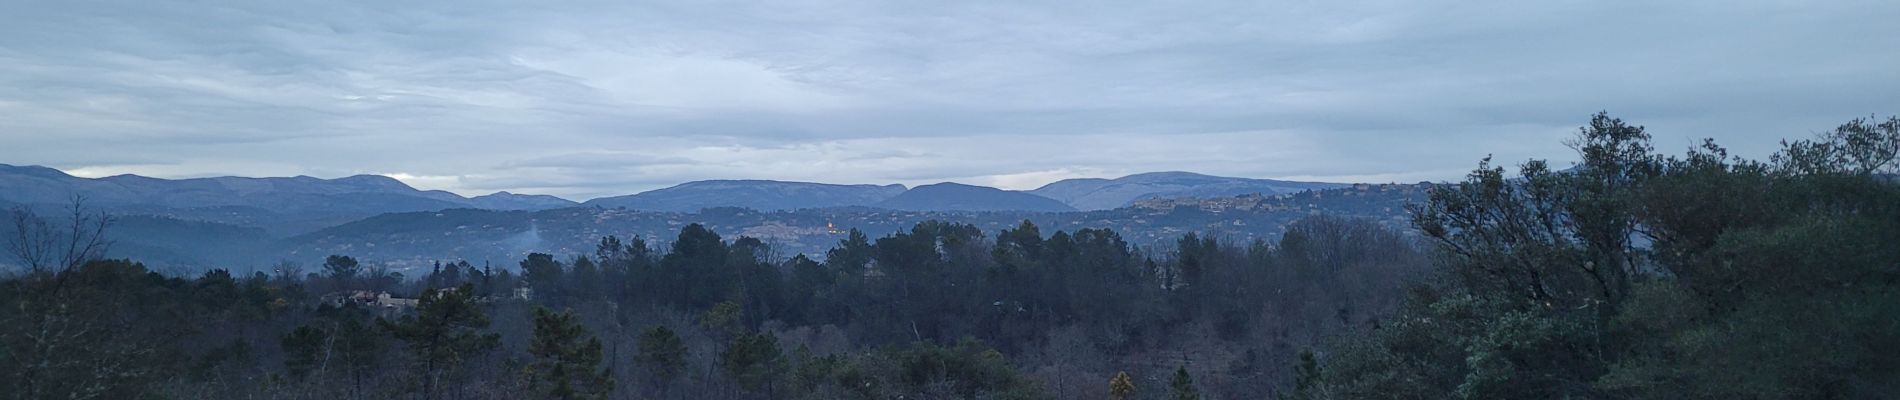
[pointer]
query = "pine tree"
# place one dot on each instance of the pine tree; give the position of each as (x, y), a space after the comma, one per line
(445, 331)
(342, 270)
(663, 353)
(360, 347)
(543, 274)
(586, 278)
(1184, 385)
(1306, 376)
(566, 359)
(725, 320)
(1121, 387)
(754, 360)
(304, 350)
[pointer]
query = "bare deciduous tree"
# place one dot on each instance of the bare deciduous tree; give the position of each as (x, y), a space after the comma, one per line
(50, 330)
(41, 246)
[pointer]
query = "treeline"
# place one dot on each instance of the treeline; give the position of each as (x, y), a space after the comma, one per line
(1644, 276)
(940, 311)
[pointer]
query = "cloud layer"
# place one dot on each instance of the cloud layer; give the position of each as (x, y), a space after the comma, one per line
(586, 99)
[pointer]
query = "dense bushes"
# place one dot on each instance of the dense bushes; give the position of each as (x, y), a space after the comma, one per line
(1643, 276)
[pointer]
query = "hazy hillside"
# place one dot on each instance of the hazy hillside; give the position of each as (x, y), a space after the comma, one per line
(255, 220)
(949, 196)
(1102, 194)
(419, 238)
(512, 201)
(753, 194)
(189, 245)
(278, 205)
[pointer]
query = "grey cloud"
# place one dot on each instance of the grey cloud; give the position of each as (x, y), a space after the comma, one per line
(595, 98)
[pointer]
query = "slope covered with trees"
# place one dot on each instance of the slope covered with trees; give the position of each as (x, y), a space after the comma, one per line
(943, 310)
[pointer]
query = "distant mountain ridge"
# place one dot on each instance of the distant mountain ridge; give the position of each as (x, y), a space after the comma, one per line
(763, 195)
(1102, 194)
(950, 196)
(293, 205)
(279, 204)
(1072, 194)
(244, 220)
(38, 185)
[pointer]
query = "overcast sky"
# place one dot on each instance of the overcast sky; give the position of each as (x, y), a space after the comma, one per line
(585, 99)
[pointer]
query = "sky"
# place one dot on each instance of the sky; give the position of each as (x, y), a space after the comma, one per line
(583, 99)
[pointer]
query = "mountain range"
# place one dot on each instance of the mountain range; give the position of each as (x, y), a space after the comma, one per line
(238, 221)
(371, 194)
(285, 207)
(41, 185)
(279, 205)
(1069, 194)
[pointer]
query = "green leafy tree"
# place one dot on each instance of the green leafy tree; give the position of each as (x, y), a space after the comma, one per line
(1862, 146)
(566, 359)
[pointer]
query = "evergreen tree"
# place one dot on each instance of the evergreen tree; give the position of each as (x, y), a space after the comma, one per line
(724, 321)
(585, 278)
(446, 330)
(852, 252)
(810, 286)
(1121, 387)
(1183, 386)
(1193, 255)
(304, 350)
(543, 274)
(566, 359)
(341, 270)
(694, 274)
(360, 347)
(753, 360)
(1305, 376)
(663, 353)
